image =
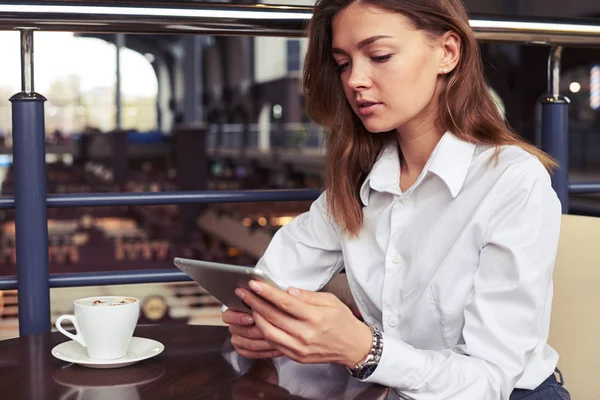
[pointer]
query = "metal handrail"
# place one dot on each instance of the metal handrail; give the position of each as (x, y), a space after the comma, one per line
(175, 17)
(163, 198)
(187, 17)
(584, 187)
(206, 197)
(105, 278)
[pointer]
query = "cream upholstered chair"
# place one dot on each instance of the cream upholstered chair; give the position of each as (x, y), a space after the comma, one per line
(575, 326)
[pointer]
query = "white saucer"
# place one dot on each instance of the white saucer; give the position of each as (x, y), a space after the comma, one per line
(139, 349)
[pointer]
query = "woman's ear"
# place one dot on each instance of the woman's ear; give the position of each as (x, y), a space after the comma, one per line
(450, 48)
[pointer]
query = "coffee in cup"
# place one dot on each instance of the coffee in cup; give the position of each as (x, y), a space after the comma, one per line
(104, 325)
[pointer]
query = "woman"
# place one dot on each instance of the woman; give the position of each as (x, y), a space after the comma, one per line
(444, 220)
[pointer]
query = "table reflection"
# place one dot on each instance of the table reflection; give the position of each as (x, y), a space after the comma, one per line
(198, 363)
(82, 383)
(285, 378)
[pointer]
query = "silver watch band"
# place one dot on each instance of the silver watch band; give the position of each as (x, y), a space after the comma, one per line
(366, 367)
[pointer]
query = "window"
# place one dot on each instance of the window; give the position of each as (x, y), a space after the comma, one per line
(77, 76)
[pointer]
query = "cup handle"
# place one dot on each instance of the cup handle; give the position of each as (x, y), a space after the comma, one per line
(78, 338)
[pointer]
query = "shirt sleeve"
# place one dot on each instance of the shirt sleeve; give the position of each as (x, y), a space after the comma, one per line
(306, 252)
(506, 314)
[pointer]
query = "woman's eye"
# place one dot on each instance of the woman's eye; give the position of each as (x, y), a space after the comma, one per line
(343, 66)
(381, 59)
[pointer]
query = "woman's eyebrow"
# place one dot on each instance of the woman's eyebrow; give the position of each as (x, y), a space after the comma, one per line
(362, 43)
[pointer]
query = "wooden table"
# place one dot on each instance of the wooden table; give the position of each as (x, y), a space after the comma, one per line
(198, 363)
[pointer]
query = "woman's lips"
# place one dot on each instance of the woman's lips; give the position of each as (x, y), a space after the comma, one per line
(368, 108)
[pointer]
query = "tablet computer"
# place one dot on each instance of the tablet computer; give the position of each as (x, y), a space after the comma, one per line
(221, 280)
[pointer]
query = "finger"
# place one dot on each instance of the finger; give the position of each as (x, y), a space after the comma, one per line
(284, 301)
(240, 342)
(274, 315)
(237, 318)
(288, 347)
(258, 355)
(278, 338)
(251, 332)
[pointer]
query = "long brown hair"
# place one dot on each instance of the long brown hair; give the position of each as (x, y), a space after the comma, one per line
(466, 107)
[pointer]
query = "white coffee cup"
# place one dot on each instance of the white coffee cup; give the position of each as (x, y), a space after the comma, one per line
(104, 325)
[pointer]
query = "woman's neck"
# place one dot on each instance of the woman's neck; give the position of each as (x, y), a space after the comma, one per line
(416, 148)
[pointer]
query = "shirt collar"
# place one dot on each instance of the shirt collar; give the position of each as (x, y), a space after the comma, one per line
(385, 173)
(450, 161)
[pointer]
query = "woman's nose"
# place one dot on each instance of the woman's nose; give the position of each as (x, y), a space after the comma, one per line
(359, 77)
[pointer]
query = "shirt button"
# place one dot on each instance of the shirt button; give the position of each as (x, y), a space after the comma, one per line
(403, 200)
(396, 259)
(393, 322)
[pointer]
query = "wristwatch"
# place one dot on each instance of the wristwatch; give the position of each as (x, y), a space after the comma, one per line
(365, 368)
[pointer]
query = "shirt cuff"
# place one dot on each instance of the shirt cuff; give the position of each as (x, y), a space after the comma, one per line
(401, 366)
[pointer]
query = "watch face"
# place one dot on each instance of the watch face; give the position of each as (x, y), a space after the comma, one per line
(366, 371)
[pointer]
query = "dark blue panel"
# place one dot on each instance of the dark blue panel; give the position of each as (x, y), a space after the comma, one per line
(293, 55)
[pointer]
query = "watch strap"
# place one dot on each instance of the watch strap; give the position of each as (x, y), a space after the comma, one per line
(365, 368)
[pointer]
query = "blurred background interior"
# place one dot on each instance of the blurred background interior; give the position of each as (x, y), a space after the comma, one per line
(154, 113)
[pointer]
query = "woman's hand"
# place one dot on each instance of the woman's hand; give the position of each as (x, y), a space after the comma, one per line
(308, 327)
(246, 338)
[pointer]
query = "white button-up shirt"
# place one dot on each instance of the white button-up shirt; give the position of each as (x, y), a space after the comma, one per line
(456, 271)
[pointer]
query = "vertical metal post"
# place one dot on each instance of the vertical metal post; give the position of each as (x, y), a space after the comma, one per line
(120, 42)
(29, 160)
(555, 128)
(27, 61)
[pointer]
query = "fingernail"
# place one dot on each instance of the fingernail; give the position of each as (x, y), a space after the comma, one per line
(294, 292)
(248, 319)
(239, 293)
(254, 285)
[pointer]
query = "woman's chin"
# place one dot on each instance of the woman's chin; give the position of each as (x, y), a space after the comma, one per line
(377, 127)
